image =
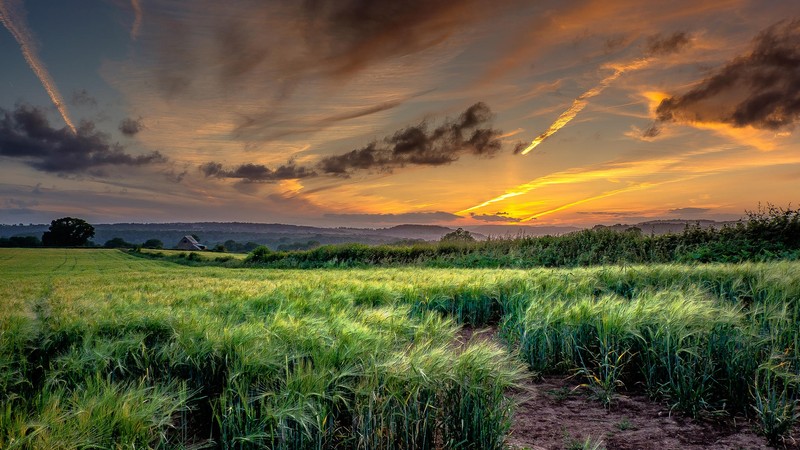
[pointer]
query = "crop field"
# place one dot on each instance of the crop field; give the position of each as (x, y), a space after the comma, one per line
(200, 256)
(99, 349)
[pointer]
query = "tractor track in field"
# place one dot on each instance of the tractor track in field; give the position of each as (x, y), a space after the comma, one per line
(556, 412)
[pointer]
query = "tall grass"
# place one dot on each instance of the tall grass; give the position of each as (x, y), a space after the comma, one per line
(130, 353)
(241, 358)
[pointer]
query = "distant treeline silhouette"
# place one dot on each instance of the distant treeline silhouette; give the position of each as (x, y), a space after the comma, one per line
(769, 233)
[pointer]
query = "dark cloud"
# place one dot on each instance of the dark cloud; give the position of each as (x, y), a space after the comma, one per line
(759, 89)
(418, 217)
(420, 145)
(82, 98)
(616, 42)
(265, 127)
(497, 217)
(349, 34)
(660, 45)
(292, 40)
(689, 210)
(520, 146)
(652, 131)
(413, 145)
(26, 134)
(174, 176)
(257, 173)
(238, 52)
(131, 127)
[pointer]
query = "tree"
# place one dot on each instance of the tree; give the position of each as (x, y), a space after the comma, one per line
(153, 243)
(118, 242)
(20, 241)
(67, 232)
(460, 235)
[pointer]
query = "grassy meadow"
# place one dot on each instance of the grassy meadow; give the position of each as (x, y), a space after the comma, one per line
(100, 349)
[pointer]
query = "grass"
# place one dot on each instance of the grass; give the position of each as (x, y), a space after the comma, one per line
(284, 360)
(367, 358)
(625, 424)
(571, 443)
(193, 256)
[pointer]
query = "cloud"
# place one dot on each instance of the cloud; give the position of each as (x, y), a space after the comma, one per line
(419, 145)
(82, 98)
(660, 45)
(689, 210)
(264, 126)
(416, 217)
(609, 213)
(174, 176)
(349, 34)
(758, 89)
(498, 217)
(648, 134)
(257, 173)
(26, 134)
(299, 39)
(131, 127)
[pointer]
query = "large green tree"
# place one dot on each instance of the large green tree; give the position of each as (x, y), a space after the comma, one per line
(460, 235)
(68, 232)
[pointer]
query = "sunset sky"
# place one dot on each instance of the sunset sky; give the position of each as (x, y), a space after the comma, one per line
(375, 113)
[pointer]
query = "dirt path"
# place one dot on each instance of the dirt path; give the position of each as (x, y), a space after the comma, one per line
(556, 413)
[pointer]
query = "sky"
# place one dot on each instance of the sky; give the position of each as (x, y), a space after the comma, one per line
(375, 113)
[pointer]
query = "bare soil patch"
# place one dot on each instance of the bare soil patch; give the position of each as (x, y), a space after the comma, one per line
(558, 413)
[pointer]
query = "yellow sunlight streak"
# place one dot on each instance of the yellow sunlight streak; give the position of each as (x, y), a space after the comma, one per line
(613, 171)
(635, 187)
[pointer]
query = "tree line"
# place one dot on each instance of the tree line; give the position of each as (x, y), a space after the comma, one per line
(766, 234)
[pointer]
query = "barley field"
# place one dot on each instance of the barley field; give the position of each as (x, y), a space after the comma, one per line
(100, 349)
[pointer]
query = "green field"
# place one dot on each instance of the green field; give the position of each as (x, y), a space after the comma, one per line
(202, 255)
(100, 349)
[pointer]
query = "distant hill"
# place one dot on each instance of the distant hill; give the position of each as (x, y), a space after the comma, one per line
(520, 230)
(670, 226)
(276, 234)
(272, 235)
(424, 232)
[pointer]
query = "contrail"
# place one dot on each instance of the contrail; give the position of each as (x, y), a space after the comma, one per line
(137, 20)
(580, 102)
(15, 23)
(633, 187)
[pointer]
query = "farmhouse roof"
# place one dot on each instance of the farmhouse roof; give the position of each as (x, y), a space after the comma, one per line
(189, 243)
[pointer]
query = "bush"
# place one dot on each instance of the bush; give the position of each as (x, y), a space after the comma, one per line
(261, 254)
(118, 243)
(153, 243)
